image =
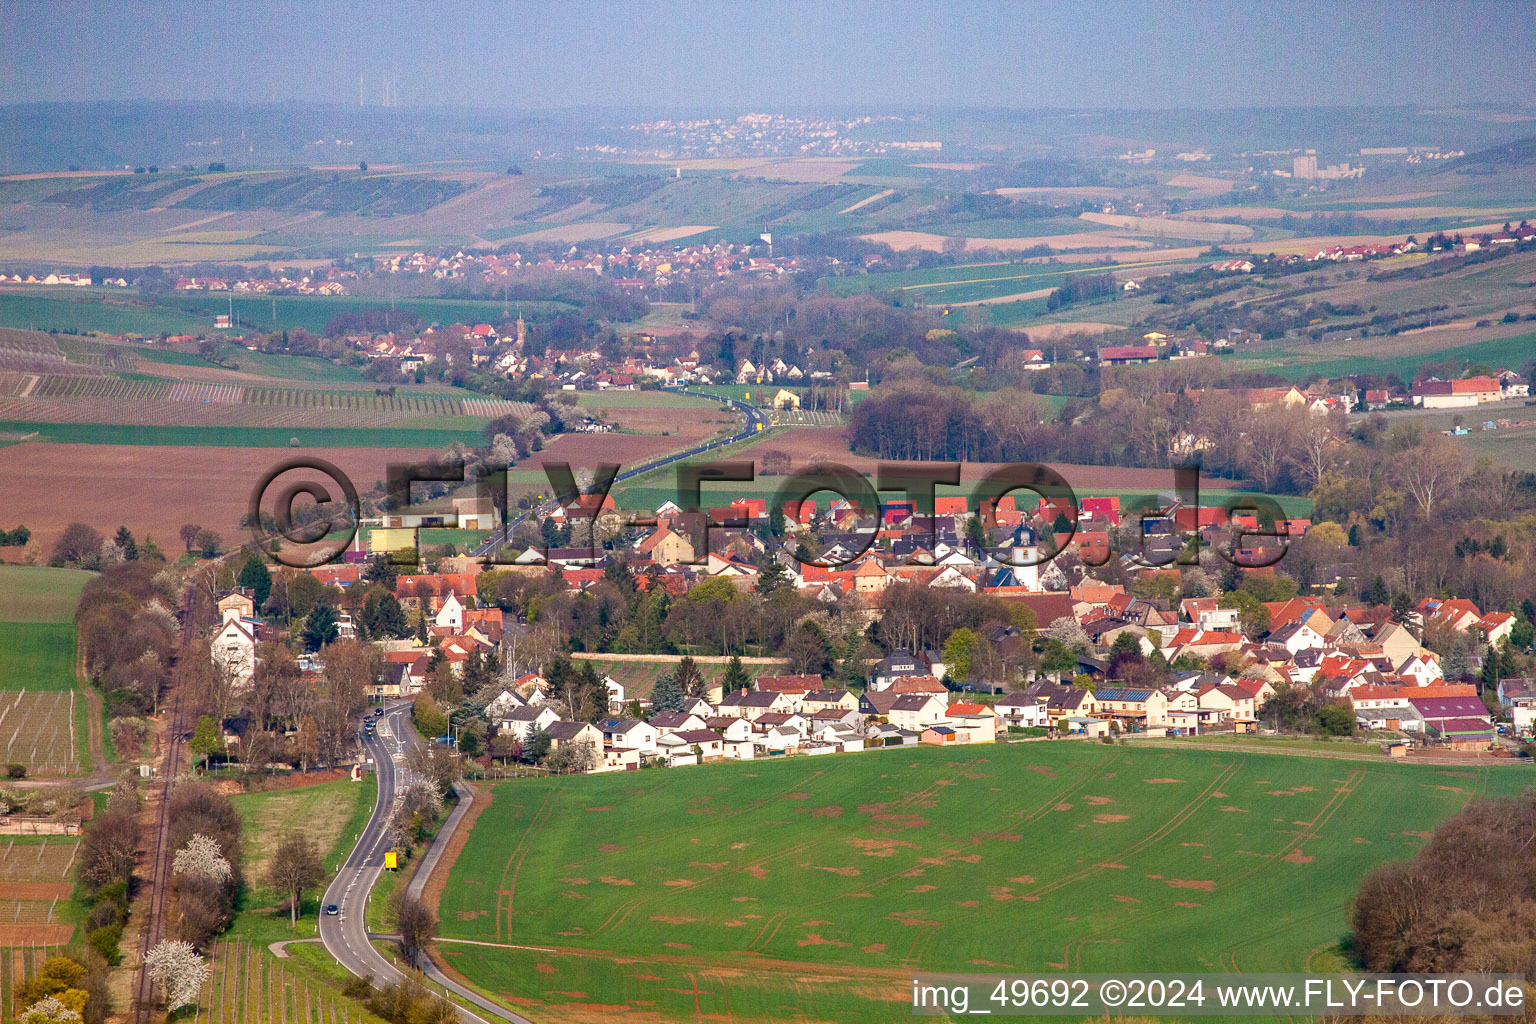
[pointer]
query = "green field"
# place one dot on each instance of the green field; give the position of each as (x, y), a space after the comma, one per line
(37, 628)
(244, 437)
(464, 539)
(640, 400)
(1299, 364)
(978, 281)
(77, 314)
(37, 655)
(1514, 448)
(812, 888)
(816, 886)
(30, 593)
(48, 724)
(119, 311)
(330, 813)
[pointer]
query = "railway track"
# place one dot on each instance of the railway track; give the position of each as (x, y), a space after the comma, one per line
(160, 872)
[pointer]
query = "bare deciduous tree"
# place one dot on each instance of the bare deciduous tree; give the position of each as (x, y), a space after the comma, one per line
(1430, 471)
(295, 868)
(418, 926)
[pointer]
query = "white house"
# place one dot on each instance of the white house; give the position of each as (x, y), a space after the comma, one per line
(502, 704)
(615, 690)
(451, 614)
(1023, 711)
(973, 723)
(916, 711)
(234, 649)
(675, 721)
(703, 743)
(629, 733)
(524, 721)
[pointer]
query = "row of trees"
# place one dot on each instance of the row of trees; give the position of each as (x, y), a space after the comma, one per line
(82, 547)
(1465, 902)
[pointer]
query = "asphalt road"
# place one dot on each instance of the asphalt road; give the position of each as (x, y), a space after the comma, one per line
(753, 416)
(346, 934)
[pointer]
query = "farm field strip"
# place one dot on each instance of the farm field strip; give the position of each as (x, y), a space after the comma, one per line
(248, 985)
(38, 730)
(191, 391)
(102, 421)
(51, 863)
(491, 408)
(857, 869)
(92, 386)
(355, 401)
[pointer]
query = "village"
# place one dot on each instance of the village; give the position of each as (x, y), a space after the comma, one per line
(1164, 655)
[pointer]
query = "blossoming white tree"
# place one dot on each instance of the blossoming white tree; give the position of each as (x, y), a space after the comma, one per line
(178, 969)
(48, 1010)
(202, 858)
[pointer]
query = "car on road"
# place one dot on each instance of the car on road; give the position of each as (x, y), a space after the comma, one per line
(331, 910)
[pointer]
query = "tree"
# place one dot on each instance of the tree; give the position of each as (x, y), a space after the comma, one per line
(1430, 471)
(1057, 659)
(294, 869)
(320, 627)
(1463, 903)
(428, 718)
(207, 740)
(961, 652)
(207, 542)
(666, 695)
(536, 746)
(150, 551)
(1336, 720)
(1070, 632)
(125, 543)
(771, 578)
(384, 617)
(61, 979)
(382, 570)
(49, 1010)
(735, 677)
(304, 592)
(255, 577)
(1124, 653)
(418, 926)
(78, 545)
(416, 813)
(202, 858)
(188, 533)
(576, 756)
(177, 968)
(1250, 610)
(689, 679)
(306, 742)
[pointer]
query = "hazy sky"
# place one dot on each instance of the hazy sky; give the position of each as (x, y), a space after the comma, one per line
(774, 54)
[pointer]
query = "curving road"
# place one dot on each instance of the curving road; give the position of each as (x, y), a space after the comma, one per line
(346, 934)
(754, 420)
